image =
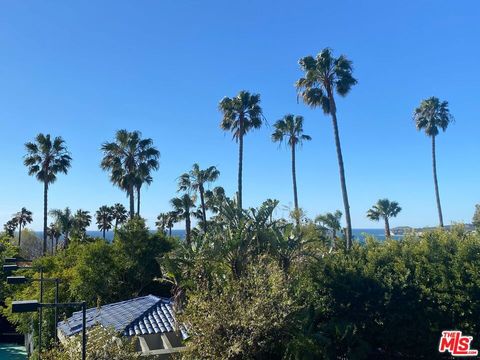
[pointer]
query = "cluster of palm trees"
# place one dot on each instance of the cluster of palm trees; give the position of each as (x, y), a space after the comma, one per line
(193, 185)
(131, 159)
(18, 220)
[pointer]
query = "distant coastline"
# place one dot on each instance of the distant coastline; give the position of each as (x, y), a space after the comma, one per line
(402, 230)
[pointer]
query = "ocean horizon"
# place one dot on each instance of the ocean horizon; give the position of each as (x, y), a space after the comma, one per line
(358, 234)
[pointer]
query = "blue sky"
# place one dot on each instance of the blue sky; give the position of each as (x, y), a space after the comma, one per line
(82, 70)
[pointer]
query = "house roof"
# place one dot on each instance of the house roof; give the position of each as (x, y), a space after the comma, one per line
(139, 316)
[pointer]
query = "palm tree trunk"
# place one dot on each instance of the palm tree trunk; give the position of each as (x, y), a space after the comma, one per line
(45, 214)
(19, 233)
(387, 228)
(435, 181)
(348, 232)
(138, 200)
(240, 164)
(51, 239)
(116, 224)
(170, 231)
(204, 209)
(56, 244)
(187, 228)
(103, 233)
(67, 234)
(132, 202)
(294, 179)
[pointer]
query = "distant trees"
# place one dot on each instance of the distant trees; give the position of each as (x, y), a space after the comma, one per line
(241, 114)
(23, 217)
(166, 221)
(331, 221)
(54, 233)
(195, 181)
(130, 160)
(65, 221)
(10, 226)
(184, 208)
(81, 221)
(119, 215)
(384, 209)
(104, 216)
(290, 130)
(476, 217)
(323, 76)
(432, 116)
(45, 159)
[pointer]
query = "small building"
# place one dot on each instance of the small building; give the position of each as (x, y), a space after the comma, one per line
(148, 319)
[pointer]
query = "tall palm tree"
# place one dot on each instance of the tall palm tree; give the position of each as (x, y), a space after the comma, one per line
(65, 221)
(431, 116)
(290, 130)
(148, 162)
(195, 180)
(104, 217)
(323, 76)
(119, 214)
(23, 218)
(184, 207)
(45, 159)
(331, 221)
(123, 158)
(81, 221)
(241, 114)
(384, 209)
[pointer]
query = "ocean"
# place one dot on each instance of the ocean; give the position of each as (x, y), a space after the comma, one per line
(358, 234)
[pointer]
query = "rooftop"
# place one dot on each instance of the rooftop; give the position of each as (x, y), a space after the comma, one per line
(139, 316)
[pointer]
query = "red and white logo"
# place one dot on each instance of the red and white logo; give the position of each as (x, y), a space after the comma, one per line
(457, 344)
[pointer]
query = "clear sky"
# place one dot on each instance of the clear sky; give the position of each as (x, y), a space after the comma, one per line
(83, 69)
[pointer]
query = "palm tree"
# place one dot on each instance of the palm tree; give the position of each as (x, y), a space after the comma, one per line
(195, 181)
(81, 221)
(431, 116)
(123, 158)
(119, 214)
(54, 233)
(324, 75)
(104, 217)
(290, 130)
(65, 222)
(240, 115)
(384, 209)
(10, 227)
(23, 217)
(330, 221)
(183, 207)
(45, 159)
(161, 222)
(148, 161)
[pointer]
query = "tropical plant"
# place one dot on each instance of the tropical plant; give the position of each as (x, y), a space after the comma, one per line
(323, 76)
(331, 221)
(476, 217)
(119, 214)
(10, 226)
(104, 216)
(81, 221)
(54, 233)
(241, 114)
(195, 181)
(128, 158)
(165, 221)
(23, 217)
(384, 209)
(431, 116)
(45, 159)
(184, 207)
(64, 219)
(290, 130)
